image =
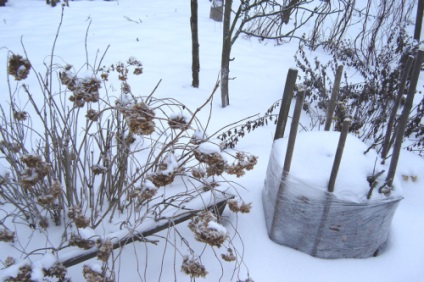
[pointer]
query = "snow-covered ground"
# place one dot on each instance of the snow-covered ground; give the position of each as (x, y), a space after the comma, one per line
(158, 34)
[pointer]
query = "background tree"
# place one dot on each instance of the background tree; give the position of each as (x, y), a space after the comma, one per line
(195, 67)
(271, 19)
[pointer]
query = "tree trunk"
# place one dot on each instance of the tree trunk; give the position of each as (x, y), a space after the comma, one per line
(195, 67)
(419, 20)
(226, 52)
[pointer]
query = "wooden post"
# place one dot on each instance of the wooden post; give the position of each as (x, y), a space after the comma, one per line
(339, 154)
(293, 130)
(287, 162)
(226, 51)
(285, 103)
(195, 64)
(404, 117)
(391, 122)
(333, 99)
(419, 20)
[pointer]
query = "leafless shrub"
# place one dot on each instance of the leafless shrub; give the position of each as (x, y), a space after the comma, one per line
(119, 164)
(84, 158)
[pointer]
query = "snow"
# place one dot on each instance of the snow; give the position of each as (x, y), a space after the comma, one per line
(217, 227)
(158, 34)
(313, 159)
(209, 148)
(87, 233)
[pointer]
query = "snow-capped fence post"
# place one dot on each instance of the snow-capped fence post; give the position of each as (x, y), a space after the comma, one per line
(400, 132)
(339, 154)
(333, 99)
(285, 103)
(287, 161)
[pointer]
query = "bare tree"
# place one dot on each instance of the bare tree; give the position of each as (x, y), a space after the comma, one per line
(195, 44)
(271, 19)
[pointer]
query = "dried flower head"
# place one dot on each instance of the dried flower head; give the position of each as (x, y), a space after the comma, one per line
(177, 122)
(84, 90)
(36, 171)
(20, 115)
(43, 222)
(145, 191)
(104, 251)
(7, 236)
(32, 161)
(243, 162)
(125, 87)
(24, 274)
(206, 229)
(98, 169)
(54, 193)
(160, 179)
(139, 118)
(18, 67)
(9, 261)
(216, 163)
(79, 242)
(92, 115)
(75, 213)
(12, 147)
(81, 221)
(97, 274)
(198, 173)
(229, 256)
(129, 139)
(209, 185)
(138, 71)
(236, 207)
(193, 268)
(58, 270)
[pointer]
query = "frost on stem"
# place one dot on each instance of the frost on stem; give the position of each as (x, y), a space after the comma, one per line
(206, 229)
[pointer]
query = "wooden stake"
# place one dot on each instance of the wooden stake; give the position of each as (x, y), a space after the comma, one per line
(391, 122)
(285, 103)
(404, 117)
(287, 162)
(339, 154)
(333, 99)
(293, 130)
